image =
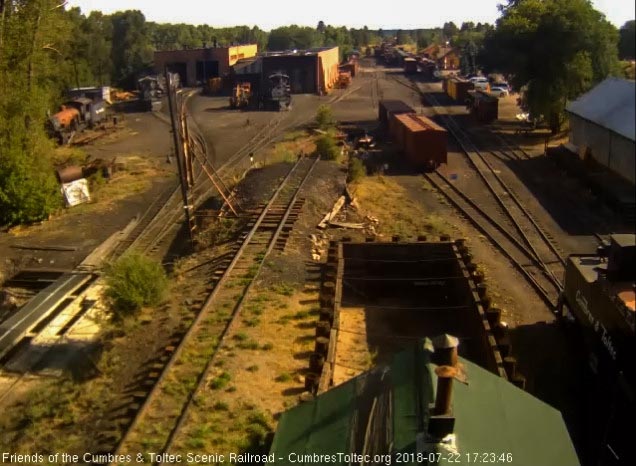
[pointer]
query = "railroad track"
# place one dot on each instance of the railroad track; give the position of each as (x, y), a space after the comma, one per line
(499, 234)
(164, 215)
(159, 414)
(533, 252)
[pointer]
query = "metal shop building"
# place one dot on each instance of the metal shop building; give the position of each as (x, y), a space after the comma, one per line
(312, 71)
(602, 126)
(196, 66)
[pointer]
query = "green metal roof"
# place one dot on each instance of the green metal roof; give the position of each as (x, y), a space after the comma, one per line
(492, 416)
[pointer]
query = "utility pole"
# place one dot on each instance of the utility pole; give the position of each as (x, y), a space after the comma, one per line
(180, 154)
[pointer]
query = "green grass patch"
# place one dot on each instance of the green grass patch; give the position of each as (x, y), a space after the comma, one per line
(357, 170)
(284, 377)
(220, 381)
(282, 289)
(241, 336)
(221, 406)
(248, 345)
(251, 322)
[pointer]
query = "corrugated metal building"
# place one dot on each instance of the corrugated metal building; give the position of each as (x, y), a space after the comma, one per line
(313, 71)
(196, 66)
(602, 126)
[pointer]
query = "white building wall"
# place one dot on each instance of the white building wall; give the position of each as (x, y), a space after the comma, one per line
(607, 148)
(623, 157)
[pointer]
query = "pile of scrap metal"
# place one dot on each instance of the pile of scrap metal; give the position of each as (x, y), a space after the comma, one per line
(95, 93)
(241, 95)
(74, 180)
(75, 115)
(151, 90)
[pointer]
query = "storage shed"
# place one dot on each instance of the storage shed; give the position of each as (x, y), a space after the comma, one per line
(602, 126)
(312, 71)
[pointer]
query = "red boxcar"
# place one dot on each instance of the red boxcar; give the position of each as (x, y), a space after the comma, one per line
(424, 141)
(390, 107)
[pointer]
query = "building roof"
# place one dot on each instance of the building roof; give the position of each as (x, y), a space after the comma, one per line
(610, 105)
(248, 65)
(443, 51)
(386, 409)
(297, 53)
(196, 49)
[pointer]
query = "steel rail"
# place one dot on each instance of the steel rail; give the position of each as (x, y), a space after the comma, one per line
(526, 215)
(239, 306)
(204, 310)
(520, 268)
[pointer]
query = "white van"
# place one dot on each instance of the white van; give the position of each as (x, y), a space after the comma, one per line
(481, 84)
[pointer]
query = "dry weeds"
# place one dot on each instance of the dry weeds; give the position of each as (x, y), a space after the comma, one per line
(397, 212)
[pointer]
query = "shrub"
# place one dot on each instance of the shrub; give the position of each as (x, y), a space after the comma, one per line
(326, 147)
(134, 281)
(357, 170)
(220, 381)
(221, 406)
(324, 117)
(284, 377)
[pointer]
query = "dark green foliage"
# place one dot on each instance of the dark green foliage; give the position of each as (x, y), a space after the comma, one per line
(468, 59)
(324, 117)
(30, 34)
(327, 148)
(449, 30)
(134, 281)
(357, 170)
(627, 41)
(294, 37)
(555, 49)
(403, 37)
(131, 50)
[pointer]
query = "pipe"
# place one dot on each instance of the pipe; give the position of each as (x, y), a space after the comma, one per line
(443, 397)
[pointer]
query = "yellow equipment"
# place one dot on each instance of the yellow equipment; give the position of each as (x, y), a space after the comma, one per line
(241, 94)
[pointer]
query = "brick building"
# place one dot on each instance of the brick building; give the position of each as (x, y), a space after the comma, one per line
(196, 66)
